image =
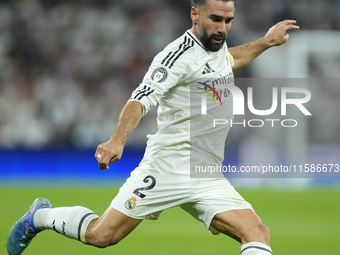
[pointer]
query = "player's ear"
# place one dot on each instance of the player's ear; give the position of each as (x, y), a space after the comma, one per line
(194, 15)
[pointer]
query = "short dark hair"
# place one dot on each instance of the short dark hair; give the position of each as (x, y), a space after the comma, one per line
(202, 3)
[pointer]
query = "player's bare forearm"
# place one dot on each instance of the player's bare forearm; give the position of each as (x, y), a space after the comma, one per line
(127, 122)
(112, 150)
(276, 35)
(243, 55)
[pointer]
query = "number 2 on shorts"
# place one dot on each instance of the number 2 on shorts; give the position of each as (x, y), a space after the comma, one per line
(146, 180)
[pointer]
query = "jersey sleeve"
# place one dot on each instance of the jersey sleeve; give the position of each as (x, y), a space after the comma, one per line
(161, 76)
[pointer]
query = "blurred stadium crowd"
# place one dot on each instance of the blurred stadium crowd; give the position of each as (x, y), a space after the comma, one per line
(68, 67)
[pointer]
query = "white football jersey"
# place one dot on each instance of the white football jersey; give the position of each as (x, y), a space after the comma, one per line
(177, 79)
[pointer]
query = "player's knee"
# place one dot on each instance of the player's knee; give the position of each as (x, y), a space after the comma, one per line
(265, 231)
(260, 233)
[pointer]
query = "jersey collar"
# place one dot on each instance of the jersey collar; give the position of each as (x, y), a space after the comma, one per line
(195, 39)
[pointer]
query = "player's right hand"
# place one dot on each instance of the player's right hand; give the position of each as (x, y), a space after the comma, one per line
(277, 34)
(108, 153)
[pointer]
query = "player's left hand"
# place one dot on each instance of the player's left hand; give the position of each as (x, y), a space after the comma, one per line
(277, 34)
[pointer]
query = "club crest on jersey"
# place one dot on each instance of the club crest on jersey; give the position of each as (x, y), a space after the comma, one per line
(130, 203)
(159, 75)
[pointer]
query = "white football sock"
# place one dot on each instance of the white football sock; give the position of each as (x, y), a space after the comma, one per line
(255, 248)
(68, 221)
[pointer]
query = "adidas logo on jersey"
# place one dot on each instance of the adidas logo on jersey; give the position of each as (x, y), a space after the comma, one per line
(207, 69)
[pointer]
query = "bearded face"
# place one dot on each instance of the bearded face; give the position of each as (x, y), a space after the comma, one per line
(212, 23)
(213, 42)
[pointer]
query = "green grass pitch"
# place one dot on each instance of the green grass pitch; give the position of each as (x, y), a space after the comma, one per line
(301, 222)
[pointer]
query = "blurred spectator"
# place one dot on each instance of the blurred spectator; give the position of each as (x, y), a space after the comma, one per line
(68, 67)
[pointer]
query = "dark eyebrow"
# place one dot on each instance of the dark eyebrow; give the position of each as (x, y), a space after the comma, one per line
(215, 16)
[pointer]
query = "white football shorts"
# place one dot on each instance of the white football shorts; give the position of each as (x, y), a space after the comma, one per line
(158, 184)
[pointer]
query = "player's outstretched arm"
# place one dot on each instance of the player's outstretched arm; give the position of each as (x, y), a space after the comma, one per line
(276, 35)
(112, 150)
